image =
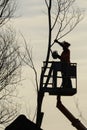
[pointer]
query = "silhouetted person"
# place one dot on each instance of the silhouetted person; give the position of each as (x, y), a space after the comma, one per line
(22, 123)
(65, 60)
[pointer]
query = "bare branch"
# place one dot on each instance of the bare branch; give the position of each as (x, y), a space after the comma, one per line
(7, 9)
(65, 17)
(76, 101)
(58, 12)
(28, 60)
(46, 3)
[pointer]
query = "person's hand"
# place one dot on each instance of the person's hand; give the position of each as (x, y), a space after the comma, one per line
(55, 54)
(55, 40)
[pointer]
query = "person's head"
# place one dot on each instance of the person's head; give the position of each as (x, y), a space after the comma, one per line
(65, 45)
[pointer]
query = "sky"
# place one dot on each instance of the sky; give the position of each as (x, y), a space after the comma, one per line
(31, 20)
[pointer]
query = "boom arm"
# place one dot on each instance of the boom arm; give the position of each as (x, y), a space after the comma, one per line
(75, 122)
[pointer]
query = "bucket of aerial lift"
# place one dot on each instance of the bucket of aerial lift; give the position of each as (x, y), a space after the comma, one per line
(53, 70)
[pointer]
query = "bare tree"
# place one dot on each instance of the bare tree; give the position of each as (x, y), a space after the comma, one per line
(7, 8)
(27, 59)
(10, 68)
(9, 63)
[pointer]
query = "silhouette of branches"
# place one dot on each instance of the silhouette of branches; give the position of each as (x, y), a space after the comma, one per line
(80, 114)
(7, 9)
(10, 70)
(9, 63)
(28, 60)
(66, 18)
(63, 17)
(7, 114)
(9, 60)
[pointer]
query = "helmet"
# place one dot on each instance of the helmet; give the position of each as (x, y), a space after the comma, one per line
(65, 44)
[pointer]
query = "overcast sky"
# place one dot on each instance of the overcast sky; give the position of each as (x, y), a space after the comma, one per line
(31, 21)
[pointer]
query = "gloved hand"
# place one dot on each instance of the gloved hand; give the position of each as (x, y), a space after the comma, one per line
(55, 40)
(55, 54)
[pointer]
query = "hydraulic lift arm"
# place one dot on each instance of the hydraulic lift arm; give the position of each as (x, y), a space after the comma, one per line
(75, 122)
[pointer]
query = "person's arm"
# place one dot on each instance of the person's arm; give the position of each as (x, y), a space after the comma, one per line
(58, 42)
